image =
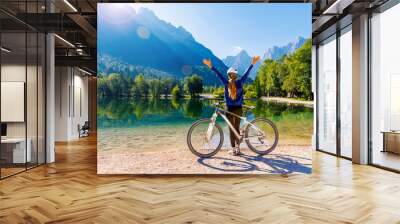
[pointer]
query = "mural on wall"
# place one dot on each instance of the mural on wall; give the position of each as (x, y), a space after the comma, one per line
(204, 88)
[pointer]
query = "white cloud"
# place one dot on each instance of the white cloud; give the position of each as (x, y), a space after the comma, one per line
(237, 49)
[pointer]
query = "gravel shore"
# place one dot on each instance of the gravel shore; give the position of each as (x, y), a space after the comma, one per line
(283, 160)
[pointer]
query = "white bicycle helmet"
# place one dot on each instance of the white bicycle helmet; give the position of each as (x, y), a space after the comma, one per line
(232, 70)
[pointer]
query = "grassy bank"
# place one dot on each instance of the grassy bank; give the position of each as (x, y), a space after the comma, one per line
(305, 103)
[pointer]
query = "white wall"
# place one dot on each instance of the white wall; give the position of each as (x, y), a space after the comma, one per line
(80, 110)
(71, 102)
(18, 73)
(33, 126)
(13, 72)
(10, 73)
(62, 82)
(13, 100)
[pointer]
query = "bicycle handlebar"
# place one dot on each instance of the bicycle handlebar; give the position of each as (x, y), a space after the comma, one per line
(218, 103)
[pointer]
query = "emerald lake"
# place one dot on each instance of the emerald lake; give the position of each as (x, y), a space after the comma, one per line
(294, 122)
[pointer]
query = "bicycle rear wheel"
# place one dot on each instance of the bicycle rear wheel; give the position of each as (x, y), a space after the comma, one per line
(261, 136)
(204, 139)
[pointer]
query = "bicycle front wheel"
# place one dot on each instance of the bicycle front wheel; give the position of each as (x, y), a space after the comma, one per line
(205, 139)
(261, 136)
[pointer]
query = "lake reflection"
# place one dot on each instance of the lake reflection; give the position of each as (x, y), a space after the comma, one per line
(295, 123)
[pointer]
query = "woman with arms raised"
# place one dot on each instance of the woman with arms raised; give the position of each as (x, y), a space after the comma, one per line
(233, 86)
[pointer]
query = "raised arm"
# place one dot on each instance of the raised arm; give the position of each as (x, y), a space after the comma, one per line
(219, 75)
(246, 74)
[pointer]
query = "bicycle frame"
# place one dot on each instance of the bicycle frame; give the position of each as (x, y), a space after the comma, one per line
(220, 112)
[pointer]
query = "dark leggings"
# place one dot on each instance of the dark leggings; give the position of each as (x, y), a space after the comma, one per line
(235, 121)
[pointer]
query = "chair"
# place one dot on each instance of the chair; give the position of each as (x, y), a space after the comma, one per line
(84, 130)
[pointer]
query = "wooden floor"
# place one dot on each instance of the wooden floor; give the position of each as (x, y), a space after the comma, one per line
(69, 191)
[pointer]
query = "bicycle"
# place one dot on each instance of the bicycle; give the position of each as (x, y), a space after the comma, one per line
(259, 132)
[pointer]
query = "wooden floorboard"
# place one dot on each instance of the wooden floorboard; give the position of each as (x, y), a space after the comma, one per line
(70, 191)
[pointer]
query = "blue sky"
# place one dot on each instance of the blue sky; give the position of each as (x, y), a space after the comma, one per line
(226, 28)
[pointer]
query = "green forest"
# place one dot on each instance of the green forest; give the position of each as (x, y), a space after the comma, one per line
(116, 85)
(289, 77)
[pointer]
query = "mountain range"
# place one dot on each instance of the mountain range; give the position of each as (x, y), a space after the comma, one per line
(153, 43)
(276, 53)
(156, 48)
(242, 60)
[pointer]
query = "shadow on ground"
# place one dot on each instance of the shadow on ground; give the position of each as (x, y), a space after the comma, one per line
(277, 164)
